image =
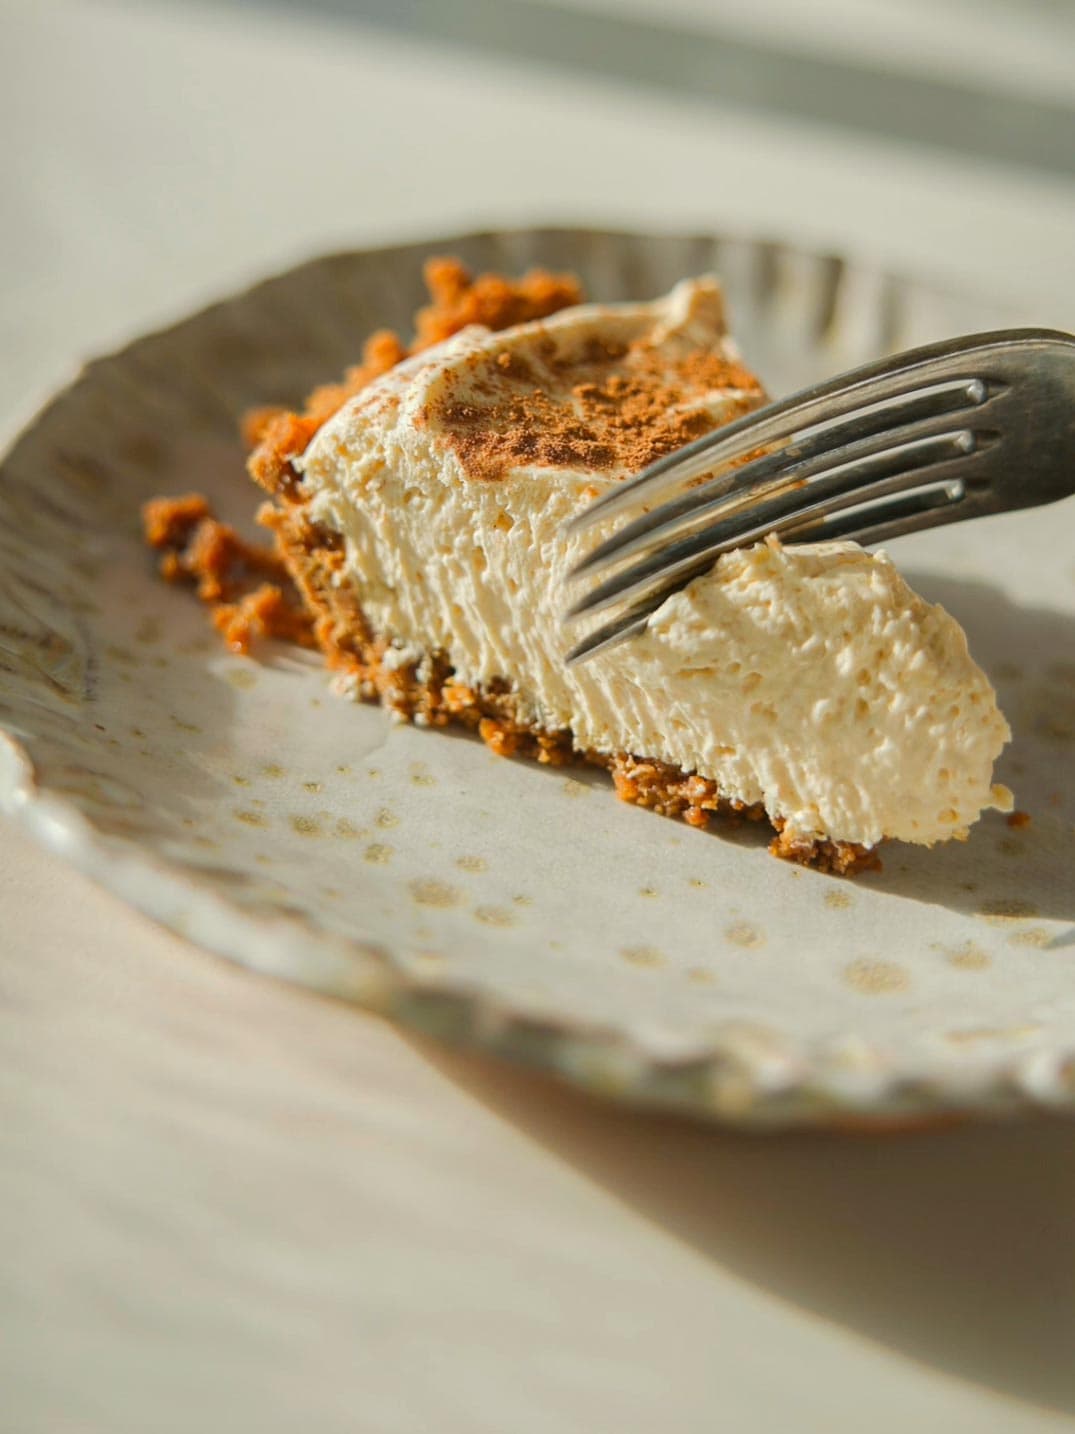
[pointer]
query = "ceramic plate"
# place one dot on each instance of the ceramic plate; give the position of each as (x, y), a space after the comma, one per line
(498, 903)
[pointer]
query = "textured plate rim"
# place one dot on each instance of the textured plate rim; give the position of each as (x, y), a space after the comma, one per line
(729, 1082)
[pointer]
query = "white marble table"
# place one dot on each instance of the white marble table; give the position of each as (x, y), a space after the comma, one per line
(227, 1205)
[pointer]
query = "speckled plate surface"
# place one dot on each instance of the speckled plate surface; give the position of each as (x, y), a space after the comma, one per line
(498, 903)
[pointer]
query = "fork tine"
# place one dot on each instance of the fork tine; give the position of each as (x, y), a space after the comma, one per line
(850, 484)
(811, 454)
(611, 634)
(895, 516)
(873, 383)
(904, 512)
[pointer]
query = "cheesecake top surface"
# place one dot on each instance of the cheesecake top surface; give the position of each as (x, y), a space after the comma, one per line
(596, 389)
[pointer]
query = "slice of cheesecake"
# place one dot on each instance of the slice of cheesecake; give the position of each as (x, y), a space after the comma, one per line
(423, 523)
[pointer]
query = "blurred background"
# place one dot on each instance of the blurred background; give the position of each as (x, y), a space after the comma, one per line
(160, 152)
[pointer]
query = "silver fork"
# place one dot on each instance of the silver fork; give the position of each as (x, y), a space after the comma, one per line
(955, 430)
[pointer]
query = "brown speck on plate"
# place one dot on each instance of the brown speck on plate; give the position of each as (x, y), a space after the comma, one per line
(494, 916)
(873, 977)
(643, 956)
(743, 933)
(1034, 936)
(967, 957)
(429, 892)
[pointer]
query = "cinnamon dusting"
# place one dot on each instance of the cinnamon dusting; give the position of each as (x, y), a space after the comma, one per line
(607, 405)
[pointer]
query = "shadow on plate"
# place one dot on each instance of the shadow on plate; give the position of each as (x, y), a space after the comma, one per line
(954, 1247)
(1028, 655)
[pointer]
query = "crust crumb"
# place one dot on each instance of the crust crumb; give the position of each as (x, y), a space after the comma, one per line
(247, 587)
(837, 858)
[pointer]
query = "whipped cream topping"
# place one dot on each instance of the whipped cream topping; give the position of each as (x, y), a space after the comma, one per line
(811, 679)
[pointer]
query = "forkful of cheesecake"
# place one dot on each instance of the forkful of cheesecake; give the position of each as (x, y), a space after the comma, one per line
(955, 430)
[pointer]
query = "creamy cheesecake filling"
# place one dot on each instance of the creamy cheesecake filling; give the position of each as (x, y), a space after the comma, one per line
(810, 679)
